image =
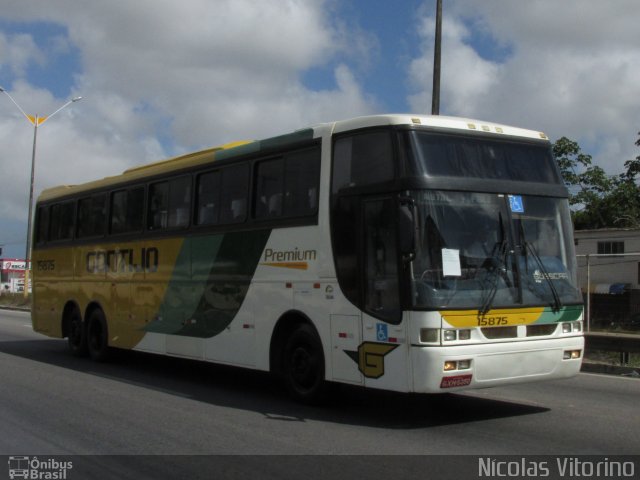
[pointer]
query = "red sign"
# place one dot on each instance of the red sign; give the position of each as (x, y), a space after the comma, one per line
(13, 264)
(457, 381)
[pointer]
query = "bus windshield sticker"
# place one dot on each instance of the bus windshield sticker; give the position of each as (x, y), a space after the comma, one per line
(451, 262)
(515, 202)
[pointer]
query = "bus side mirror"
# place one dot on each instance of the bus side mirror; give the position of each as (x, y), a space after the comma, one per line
(407, 229)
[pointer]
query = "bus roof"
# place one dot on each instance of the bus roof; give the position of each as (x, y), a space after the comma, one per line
(240, 148)
(436, 121)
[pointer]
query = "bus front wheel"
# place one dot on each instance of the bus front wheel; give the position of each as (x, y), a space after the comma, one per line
(303, 366)
(97, 336)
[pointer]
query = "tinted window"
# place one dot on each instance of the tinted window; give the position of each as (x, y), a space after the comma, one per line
(169, 204)
(42, 224)
(269, 188)
(302, 171)
(61, 221)
(92, 216)
(208, 200)
(127, 209)
(382, 294)
(233, 194)
(288, 186)
(362, 159)
(222, 196)
(457, 156)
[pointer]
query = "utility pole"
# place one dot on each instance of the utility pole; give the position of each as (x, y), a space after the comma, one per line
(435, 96)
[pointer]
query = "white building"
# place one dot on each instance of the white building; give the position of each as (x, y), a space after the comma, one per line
(614, 258)
(609, 262)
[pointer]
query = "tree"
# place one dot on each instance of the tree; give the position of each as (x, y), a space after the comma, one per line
(599, 200)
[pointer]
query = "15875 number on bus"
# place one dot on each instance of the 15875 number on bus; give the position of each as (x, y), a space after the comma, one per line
(492, 321)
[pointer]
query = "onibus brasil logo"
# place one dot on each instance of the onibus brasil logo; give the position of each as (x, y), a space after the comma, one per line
(38, 469)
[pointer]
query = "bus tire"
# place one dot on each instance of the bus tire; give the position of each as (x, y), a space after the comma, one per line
(76, 334)
(303, 366)
(98, 336)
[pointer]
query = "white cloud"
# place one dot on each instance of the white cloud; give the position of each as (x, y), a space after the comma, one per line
(17, 51)
(458, 91)
(165, 77)
(572, 70)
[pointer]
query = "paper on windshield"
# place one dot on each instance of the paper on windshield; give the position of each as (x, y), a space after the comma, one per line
(451, 262)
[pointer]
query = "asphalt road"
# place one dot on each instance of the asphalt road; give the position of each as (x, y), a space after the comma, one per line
(138, 404)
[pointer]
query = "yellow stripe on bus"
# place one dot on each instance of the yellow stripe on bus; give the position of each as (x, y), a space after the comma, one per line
(493, 318)
(294, 265)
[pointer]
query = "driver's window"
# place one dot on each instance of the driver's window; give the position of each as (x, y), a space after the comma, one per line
(381, 260)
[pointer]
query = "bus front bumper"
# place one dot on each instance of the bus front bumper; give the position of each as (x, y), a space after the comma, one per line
(444, 369)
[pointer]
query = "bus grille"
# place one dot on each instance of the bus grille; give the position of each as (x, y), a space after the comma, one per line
(495, 333)
(500, 332)
(541, 330)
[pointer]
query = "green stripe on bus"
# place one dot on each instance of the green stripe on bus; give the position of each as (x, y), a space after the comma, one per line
(566, 314)
(205, 302)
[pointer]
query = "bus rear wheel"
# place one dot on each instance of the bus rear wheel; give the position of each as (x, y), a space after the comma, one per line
(98, 336)
(77, 338)
(303, 366)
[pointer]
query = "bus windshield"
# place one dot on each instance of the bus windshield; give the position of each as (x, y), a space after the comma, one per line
(490, 250)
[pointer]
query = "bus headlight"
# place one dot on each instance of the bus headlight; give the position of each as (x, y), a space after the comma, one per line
(571, 354)
(432, 335)
(464, 364)
(429, 335)
(464, 334)
(449, 335)
(450, 365)
(569, 327)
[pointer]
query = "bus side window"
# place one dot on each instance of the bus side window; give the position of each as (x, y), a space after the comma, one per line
(92, 213)
(158, 206)
(127, 209)
(301, 176)
(42, 224)
(233, 194)
(288, 187)
(179, 202)
(208, 199)
(269, 188)
(169, 204)
(362, 159)
(61, 221)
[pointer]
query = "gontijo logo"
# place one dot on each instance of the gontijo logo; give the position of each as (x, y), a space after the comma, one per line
(33, 468)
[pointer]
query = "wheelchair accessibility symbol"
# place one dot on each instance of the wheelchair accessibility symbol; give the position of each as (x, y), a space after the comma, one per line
(515, 202)
(382, 334)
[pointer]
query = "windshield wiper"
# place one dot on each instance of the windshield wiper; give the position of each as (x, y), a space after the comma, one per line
(557, 303)
(497, 267)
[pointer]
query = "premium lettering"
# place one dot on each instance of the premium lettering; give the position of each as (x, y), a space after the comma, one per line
(295, 255)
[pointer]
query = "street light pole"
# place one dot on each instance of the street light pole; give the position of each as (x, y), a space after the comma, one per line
(35, 120)
(435, 95)
(27, 255)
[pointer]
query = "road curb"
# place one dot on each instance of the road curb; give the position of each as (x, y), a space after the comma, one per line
(15, 309)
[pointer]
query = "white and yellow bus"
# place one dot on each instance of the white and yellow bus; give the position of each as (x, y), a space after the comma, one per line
(397, 252)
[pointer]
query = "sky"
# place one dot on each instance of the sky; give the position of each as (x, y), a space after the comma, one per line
(160, 78)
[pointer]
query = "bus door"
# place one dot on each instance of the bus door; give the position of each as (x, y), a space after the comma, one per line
(383, 354)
